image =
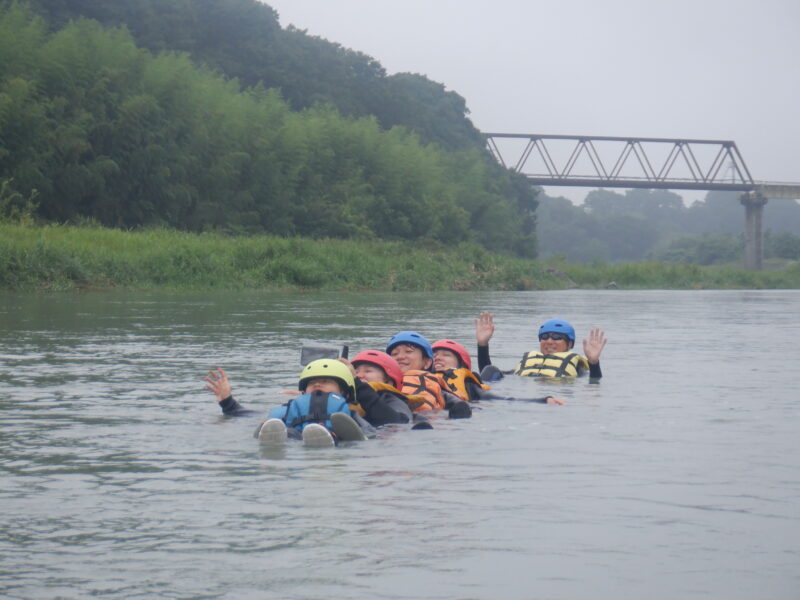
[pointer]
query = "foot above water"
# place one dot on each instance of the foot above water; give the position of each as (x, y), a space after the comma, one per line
(317, 436)
(346, 428)
(272, 433)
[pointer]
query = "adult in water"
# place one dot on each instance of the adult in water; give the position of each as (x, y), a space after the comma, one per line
(414, 355)
(554, 358)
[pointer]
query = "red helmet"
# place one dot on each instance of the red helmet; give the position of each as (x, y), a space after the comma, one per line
(455, 347)
(384, 361)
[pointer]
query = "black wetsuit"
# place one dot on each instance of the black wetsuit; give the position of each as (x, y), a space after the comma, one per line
(382, 407)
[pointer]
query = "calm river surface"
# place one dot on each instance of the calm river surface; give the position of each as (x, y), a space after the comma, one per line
(677, 477)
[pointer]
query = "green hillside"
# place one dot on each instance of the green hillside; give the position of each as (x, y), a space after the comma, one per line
(206, 115)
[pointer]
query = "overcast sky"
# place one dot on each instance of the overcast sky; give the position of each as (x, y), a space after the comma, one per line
(702, 69)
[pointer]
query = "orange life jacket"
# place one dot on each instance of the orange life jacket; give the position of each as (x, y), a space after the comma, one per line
(455, 380)
(423, 390)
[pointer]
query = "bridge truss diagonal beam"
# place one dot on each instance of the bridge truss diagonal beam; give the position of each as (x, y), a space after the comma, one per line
(625, 162)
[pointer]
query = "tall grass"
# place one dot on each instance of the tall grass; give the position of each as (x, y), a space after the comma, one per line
(61, 258)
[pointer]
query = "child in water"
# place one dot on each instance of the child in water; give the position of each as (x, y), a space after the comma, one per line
(379, 379)
(452, 364)
(328, 390)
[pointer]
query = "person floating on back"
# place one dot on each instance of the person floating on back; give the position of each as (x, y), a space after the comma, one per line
(323, 414)
(414, 354)
(379, 380)
(554, 357)
(453, 366)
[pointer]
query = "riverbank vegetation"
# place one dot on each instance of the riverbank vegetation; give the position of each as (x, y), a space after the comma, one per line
(100, 128)
(65, 258)
(229, 152)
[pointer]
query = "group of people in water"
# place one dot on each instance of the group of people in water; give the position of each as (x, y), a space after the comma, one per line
(412, 379)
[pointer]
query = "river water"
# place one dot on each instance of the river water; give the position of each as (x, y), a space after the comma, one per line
(678, 476)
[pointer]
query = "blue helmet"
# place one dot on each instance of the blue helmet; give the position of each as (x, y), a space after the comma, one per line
(413, 338)
(558, 326)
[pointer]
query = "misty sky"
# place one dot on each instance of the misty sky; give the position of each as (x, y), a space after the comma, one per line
(710, 69)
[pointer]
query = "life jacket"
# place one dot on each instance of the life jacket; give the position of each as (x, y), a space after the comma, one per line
(310, 408)
(378, 386)
(455, 380)
(423, 390)
(558, 364)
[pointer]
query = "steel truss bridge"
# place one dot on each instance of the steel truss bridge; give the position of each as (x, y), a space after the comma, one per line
(650, 163)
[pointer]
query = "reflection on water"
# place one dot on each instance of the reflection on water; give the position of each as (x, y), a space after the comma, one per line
(676, 477)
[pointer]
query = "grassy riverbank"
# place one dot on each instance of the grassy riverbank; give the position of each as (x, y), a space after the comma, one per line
(63, 258)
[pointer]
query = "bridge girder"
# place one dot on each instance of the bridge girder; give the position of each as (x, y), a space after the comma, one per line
(725, 171)
(627, 162)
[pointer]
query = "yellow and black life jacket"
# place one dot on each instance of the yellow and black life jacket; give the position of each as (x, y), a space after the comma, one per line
(378, 386)
(558, 364)
(423, 390)
(455, 380)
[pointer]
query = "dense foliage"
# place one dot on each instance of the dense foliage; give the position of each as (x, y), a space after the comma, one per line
(97, 128)
(244, 39)
(638, 224)
(59, 257)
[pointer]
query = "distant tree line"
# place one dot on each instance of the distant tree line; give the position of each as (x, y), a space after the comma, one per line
(93, 126)
(655, 224)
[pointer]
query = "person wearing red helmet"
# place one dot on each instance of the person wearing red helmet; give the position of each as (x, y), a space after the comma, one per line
(378, 383)
(452, 364)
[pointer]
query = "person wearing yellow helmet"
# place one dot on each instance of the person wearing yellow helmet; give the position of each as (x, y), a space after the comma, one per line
(327, 387)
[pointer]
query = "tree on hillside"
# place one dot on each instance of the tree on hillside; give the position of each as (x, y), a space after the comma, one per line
(104, 130)
(243, 39)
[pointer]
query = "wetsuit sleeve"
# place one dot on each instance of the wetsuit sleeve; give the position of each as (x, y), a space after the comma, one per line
(231, 407)
(489, 395)
(381, 409)
(367, 397)
(594, 371)
(483, 357)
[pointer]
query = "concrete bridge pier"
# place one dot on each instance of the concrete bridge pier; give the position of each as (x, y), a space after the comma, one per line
(753, 203)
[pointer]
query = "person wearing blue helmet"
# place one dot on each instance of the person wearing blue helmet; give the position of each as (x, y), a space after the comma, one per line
(555, 357)
(414, 354)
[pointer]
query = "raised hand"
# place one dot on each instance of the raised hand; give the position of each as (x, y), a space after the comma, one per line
(593, 347)
(218, 383)
(484, 328)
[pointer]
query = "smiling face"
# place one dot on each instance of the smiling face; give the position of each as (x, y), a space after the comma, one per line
(410, 358)
(369, 372)
(325, 385)
(549, 345)
(445, 359)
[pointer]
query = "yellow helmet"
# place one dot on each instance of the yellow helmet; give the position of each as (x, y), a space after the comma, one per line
(332, 369)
